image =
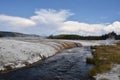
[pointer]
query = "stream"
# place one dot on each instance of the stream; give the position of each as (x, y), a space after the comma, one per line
(67, 65)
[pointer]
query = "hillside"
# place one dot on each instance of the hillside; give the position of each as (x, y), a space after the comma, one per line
(15, 34)
(111, 35)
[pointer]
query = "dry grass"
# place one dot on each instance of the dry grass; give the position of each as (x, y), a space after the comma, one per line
(104, 58)
(104, 79)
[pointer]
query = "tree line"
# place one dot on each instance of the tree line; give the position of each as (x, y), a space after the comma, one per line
(78, 37)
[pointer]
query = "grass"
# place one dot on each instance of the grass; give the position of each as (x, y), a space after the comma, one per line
(104, 57)
(104, 79)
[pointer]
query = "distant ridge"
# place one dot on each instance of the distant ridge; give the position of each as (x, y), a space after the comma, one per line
(15, 34)
(111, 35)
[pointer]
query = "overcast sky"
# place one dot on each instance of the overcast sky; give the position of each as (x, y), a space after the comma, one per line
(46, 17)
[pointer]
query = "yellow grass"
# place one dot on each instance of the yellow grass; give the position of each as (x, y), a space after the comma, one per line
(104, 58)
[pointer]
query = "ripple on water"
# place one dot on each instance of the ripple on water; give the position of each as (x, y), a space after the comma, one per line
(67, 65)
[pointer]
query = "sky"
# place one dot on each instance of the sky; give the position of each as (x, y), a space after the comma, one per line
(52, 17)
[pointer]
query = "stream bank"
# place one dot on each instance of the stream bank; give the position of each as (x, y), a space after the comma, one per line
(67, 65)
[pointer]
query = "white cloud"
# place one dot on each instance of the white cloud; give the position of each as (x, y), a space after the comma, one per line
(16, 22)
(50, 16)
(49, 20)
(115, 26)
(90, 29)
(82, 28)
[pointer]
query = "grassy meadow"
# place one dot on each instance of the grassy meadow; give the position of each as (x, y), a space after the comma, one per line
(104, 57)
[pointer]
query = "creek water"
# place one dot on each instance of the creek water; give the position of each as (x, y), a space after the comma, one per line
(67, 65)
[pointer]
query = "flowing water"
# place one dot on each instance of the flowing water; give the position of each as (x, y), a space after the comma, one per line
(67, 65)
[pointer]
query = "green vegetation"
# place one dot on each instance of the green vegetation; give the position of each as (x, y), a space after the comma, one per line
(104, 57)
(104, 79)
(78, 37)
